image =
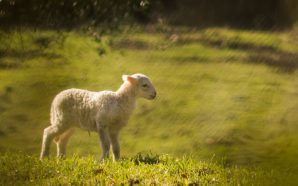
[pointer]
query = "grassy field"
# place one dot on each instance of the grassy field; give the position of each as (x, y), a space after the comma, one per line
(223, 94)
(138, 170)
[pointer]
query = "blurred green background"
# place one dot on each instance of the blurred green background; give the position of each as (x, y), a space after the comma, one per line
(227, 80)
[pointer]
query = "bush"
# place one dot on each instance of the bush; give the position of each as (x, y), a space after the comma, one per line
(70, 13)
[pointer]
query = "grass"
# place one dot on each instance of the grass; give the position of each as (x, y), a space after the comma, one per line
(138, 170)
(222, 93)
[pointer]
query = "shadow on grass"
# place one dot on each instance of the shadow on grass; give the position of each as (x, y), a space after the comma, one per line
(283, 61)
(267, 54)
(131, 44)
(27, 54)
(20, 56)
(259, 54)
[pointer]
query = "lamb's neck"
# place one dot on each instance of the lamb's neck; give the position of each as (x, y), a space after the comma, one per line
(127, 95)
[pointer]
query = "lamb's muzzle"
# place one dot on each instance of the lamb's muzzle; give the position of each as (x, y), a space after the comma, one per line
(153, 95)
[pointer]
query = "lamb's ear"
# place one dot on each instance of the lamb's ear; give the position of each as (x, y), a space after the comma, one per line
(128, 78)
(124, 77)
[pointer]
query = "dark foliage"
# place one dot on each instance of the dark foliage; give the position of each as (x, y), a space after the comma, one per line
(71, 13)
(242, 13)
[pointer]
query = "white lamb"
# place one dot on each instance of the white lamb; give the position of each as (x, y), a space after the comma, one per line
(105, 112)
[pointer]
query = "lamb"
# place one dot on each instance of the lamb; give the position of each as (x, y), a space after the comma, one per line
(105, 112)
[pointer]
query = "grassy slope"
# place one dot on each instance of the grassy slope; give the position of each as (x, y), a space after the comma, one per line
(222, 92)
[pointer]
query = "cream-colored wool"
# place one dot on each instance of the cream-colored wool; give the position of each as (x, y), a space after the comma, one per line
(104, 112)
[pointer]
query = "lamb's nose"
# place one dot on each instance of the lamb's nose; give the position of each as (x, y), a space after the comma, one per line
(153, 95)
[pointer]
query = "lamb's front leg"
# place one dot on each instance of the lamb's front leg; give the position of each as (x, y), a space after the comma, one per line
(105, 142)
(115, 145)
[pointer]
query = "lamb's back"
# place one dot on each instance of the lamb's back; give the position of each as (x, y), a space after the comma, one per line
(72, 106)
(74, 99)
(82, 107)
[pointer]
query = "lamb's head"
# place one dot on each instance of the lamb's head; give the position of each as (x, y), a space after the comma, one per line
(142, 84)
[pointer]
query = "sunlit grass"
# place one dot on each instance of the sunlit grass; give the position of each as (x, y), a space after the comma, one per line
(140, 169)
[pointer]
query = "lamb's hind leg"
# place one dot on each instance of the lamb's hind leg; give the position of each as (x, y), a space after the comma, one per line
(61, 142)
(48, 135)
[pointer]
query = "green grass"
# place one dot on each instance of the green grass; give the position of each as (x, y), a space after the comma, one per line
(225, 94)
(138, 170)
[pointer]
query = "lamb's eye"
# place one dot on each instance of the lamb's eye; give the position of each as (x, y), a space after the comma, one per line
(145, 85)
